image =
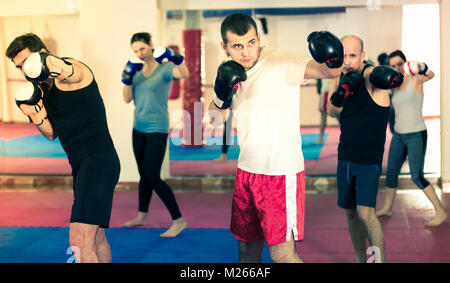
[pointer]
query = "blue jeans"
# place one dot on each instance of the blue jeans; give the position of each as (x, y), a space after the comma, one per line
(414, 146)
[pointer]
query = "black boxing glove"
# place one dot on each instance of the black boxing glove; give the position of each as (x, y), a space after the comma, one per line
(385, 77)
(350, 83)
(326, 48)
(229, 75)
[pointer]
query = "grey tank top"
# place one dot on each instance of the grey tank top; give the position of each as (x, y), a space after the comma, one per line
(408, 110)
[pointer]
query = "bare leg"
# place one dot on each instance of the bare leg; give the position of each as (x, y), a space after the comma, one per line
(176, 228)
(389, 198)
(83, 236)
(285, 253)
(373, 228)
(250, 252)
(441, 215)
(323, 124)
(102, 247)
(140, 220)
(358, 235)
(222, 157)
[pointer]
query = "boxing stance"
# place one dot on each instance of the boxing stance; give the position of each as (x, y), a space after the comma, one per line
(410, 136)
(147, 82)
(262, 87)
(360, 100)
(63, 101)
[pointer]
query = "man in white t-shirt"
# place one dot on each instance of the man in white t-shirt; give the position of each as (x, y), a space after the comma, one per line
(262, 86)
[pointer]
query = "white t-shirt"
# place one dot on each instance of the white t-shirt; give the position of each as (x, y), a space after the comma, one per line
(267, 112)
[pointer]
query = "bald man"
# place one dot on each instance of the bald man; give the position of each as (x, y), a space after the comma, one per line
(360, 100)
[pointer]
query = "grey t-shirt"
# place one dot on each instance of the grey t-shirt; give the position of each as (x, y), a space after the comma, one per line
(150, 97)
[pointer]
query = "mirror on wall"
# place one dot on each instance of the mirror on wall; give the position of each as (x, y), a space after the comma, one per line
(2, 141)
(383, 30)
(23, 150)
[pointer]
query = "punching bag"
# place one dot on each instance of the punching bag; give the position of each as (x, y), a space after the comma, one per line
(192, 90)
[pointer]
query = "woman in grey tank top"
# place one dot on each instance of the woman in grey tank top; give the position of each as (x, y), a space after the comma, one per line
(410, 135)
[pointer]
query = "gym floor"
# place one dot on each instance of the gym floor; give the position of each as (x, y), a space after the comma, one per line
(34, 228)
(34, 218)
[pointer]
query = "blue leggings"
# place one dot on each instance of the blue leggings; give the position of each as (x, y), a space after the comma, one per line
(414, 146)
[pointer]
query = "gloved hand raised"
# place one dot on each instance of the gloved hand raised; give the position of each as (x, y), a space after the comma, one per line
(130, 69)
(350, 83)
(385, 77)
(40, 66)
(162, 54)
(326, 48)
(29, 100)
(229, 75)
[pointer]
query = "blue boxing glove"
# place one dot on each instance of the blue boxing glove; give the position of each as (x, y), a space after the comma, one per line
(130, 70)
(163, 54)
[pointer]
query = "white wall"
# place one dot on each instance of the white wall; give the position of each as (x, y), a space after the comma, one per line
(99, 36)
(53, 31)
(420, 42)
(445, 93)
(106, 28)
(38, 8)
(250, 4)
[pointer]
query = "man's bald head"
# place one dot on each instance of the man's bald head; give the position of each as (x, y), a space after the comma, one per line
(353, 39)
(353, 53)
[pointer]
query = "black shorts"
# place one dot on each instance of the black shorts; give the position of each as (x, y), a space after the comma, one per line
(357, 184)
(94, 180)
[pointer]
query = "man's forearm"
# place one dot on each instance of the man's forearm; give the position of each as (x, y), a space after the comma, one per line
(46, 129)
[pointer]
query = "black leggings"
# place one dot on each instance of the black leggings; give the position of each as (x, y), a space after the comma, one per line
(227, 128)
(149, 150)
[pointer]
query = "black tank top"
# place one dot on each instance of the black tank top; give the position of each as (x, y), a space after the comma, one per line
(363, 129)
(79, 120)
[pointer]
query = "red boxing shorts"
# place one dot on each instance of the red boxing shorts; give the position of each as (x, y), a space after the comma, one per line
(270, 208)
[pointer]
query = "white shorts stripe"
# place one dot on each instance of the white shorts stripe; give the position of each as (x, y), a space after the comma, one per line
(291, 206)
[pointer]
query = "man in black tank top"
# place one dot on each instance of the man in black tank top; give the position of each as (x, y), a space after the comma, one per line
(65, 102)
(361, 102)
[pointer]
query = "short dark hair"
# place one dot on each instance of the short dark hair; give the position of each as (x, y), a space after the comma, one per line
(238, 23)
(383, 59)
(141, 36)
(28, 40)
(398, 53)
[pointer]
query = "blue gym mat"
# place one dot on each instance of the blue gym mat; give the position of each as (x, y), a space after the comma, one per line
(33, 146)
(39, 146)
(134, 245)
(213, 150)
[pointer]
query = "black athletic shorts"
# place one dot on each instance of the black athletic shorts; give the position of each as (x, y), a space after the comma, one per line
(94, 180)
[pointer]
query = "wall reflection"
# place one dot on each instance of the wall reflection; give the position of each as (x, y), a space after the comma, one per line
(23, 150)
